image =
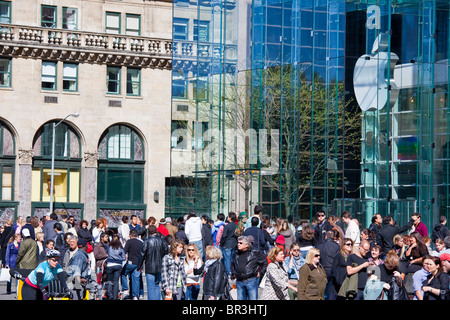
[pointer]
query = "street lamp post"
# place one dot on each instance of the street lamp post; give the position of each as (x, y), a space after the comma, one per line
(75, 114)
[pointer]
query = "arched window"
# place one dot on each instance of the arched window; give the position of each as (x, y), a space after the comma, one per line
(120, 178)
(7, 163)
(67, 169)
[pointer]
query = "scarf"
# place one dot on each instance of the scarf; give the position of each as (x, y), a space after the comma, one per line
(208, 263)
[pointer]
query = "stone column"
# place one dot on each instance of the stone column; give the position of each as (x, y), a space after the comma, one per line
(25, 164)
(90, 185)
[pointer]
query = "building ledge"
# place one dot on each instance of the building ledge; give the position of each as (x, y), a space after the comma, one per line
(84, 47)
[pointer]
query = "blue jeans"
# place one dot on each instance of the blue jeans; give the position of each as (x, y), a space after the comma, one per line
(248, 289)
(192, 292)
(153, 287)
(132, 272)
(227, 256)
(113, 276)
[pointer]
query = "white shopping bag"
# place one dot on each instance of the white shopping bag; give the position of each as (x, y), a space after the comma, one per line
(4, 274)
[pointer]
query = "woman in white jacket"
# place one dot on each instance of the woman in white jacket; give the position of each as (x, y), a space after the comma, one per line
(352, 231)
(191, 262)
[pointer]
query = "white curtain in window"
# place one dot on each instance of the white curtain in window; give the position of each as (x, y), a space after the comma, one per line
(113, 23)
(70, 76)
(48, 71)
(133, 25)
(70, 19)
(113, 143)
(125, 144)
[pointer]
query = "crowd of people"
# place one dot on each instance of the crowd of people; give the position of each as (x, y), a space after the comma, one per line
(239, 256)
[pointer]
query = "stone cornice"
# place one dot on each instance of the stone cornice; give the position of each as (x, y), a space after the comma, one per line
(85, 47)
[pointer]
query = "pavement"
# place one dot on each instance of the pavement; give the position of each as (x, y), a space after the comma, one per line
(13, 295)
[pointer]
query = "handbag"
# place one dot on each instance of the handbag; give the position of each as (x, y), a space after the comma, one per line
(262, 284)
(5, 275)
(397, 290)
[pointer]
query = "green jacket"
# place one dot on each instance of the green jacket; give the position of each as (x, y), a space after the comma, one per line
(27, 255)
(349, 287)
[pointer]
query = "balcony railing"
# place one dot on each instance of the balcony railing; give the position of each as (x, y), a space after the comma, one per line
(27, 35)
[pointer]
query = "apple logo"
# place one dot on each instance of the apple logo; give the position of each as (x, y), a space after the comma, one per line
(370, 77)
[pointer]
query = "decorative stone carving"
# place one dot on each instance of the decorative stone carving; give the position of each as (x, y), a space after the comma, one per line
(65, 45)
(91, 159)
(26, 156)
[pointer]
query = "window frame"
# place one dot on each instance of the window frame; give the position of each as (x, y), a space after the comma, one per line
(197, 24)
(118, 81)
(131, 82)
(64, 9)
(55, 19)
(112, 13)
(66, 166)
(127, 29)
(65, 78)
(7, 3)
(8, 73)
(178, 35)
(55, 76)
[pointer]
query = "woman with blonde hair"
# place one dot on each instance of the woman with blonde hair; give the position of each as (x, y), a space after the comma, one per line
(276, 279)
(192, 261)
(215, 283)
(312, 278)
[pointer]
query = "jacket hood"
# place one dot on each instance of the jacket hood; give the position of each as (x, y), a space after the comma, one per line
(218, 223)
(194, 219)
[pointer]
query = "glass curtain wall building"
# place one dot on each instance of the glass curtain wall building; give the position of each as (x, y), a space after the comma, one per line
(303, 105)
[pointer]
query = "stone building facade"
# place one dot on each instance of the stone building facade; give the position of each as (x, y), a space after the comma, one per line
(109, 62)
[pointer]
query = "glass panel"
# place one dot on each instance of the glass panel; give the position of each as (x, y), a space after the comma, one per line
(133, 24)
(113, 23)
(5, 72)
(69, 18)
(357, 90)
(118, 185)
(48, 75)
(133, 81)
(113, 80)
(48, 17)
(5, 12)
(70, 74)
(60, 184)
(7, 179)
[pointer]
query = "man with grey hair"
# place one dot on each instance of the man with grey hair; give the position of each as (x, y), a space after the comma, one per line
(247, 267)
(76, 265)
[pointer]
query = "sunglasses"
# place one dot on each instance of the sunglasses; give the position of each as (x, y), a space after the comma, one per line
(348, 244)
(316, 255)
(190, 250)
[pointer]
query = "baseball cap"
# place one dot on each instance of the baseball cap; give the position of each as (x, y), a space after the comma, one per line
(445, 256)
(26, 232)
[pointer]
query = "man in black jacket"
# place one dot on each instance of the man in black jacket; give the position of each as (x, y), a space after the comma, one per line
(321, 227)
(328, 251)
(387, 233)
(207, 238)
(153, 251)
(247, 267)
(228, 241)
(257, 234)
